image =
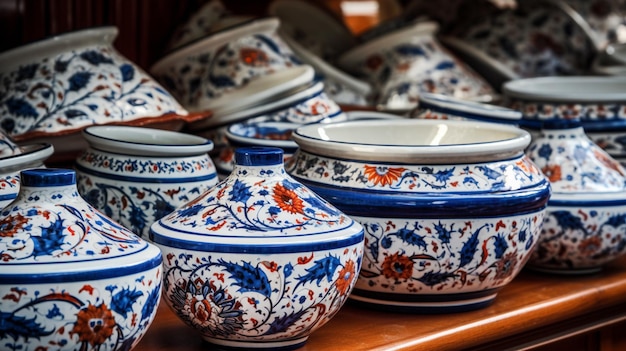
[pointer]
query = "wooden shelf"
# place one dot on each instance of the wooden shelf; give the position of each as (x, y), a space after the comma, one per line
(533, 310)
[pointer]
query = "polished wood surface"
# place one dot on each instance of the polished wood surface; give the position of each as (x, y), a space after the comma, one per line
(535, 310)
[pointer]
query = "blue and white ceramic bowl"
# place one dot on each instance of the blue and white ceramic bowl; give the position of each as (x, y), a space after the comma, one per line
(452, 210)
(585, 223)
(138, 175)
(70, 276)
(258, 261)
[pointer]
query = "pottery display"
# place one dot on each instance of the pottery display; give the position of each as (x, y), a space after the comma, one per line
(203, 73)
(138, 175)
(404, 63)
(55, 87)
(584, 226)
(598, 103)
(437, 106)
(71, 278)
(605, 19)
(452, 210)
(259, 261)
(28, 156)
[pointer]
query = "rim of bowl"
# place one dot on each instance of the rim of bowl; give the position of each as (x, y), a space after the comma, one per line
(449, 103)
(357, 115)
(232, 134)
(579, 20)
(275, 104)
(313, 138)
(142, 141)
(327, 69)
(215, 39)
(31, 154)
(361, 52)
(59, 43)
(259, 89)
(571, 89)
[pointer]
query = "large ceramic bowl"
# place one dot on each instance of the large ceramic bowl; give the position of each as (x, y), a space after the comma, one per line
(451, 209)
(597, 102)
(259, 261)
(54, 88)
(138, 175)
(70, 278)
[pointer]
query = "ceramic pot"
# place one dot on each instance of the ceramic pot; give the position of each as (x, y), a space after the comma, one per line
(451, 209)
(406, 62)
(138, 175)
(54, 88)
(21, 158)
(584, 226)
(69, 276)
(259, 261)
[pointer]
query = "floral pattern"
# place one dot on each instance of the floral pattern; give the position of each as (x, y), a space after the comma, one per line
(91, 315)
(613, 143)
(81, 87)
(136, 191)
(586, 113)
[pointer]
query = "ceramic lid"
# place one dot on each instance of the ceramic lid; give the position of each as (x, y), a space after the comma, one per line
(258, 208)
(571, 89)
(49, 230)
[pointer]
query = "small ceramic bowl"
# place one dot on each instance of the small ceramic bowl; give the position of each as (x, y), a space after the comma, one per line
(535, 39)
(316, 29)
(584, 228)
(70, 276)
(451, 209)
(259, 261)
(138, 175)
(340, 86)
(437, 106)
(56, 87)
(26, 157)
(406, 62)
(598, 102)
(203, 73)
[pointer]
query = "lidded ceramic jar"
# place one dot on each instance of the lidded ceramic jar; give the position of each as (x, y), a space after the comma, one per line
(70, 276)
(258, 261)
(585, 225)
(138, 175)
(451, 209)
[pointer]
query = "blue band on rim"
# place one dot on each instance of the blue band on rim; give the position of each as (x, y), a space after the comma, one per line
(42, 177)
(258, 156)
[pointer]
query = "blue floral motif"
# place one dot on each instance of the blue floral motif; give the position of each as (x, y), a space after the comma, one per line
(79, 80)
(128, 72)
(248, 278)
(95, 58)
(240, 192)
(122, 302)
(20, 107)
(469, 248)
(324, 268)
(410, 237)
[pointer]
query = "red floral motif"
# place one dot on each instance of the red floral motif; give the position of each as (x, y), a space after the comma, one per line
(94, 324)
(346, 276)
(374, 62)
(253, 57)
(287, 199)
(397, 267)
(553, 172)
(589, 246)
(383, 175)
(10, 225)
(506, 266)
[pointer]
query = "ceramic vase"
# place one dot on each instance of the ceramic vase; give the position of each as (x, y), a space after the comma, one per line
(585, 225)
(138, 175)
(451, 209)
(259, 261)
(70, 277)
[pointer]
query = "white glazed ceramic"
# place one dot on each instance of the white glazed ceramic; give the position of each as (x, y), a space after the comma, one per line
(58, 86)
(598, 102)
(29, 156)
(437, 106)
(8, 147)
(340, 86)
(406, 62)
(259, 261)
(203, 73)
(585, 225)
(451, 209)
(539, 38)
(138, 175)
(70, 278)
(317, 29)
(605, 19)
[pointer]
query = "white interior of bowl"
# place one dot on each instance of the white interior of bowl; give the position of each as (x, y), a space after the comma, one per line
(55, 45)
(145, 141)
(32, 155)
(413, 140)
(573, 89)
